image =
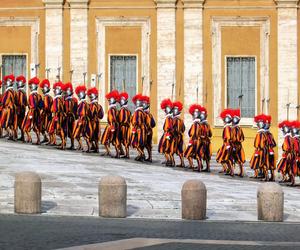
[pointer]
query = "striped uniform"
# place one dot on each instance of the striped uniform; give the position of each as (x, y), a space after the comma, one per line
(21, 104)
(165, 142)
(46, 114)
(258, 159)
(124, 123)
(224, 154)
(296, 148)
(96, 114)
(70, 104)
(271, 144)
(287, 161)
(205, 135)
(237, 137)
(193, 148)
(179, 128)
(32, 119)
(57, 121)
(9, 109)
(111, 130)
(138, 132)
(83, 127)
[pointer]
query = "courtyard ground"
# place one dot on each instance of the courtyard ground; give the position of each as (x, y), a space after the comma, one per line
(70, 185)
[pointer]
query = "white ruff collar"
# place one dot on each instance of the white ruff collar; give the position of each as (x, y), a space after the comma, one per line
(8, 88)
(82, 100)
(57, 96)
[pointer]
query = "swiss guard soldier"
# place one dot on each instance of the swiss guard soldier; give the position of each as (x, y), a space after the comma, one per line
(110, 134)
(237, 138)
(149, 125)
(205, 135)
(165, 143)
(1, 109)
(83, 127)
(296, 147)
(70, 103)
(124, 123)
(32, 119)
(287, 162)
(138, 131)
(178, 130)
(21, 104)
(96, 114)
(46, 114)
(224, 154)
(9, 106)
(271, 144)
(258, 161)
(193, 148)
(58, 115)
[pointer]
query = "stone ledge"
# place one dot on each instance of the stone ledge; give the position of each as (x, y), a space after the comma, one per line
(193, 3)
(51, 4)
(287, 3)
(165, 3)
(78, 3)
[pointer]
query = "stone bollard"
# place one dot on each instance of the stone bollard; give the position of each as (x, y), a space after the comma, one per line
(270, 202)
(112, 197)
(28, 193)
(193, 200)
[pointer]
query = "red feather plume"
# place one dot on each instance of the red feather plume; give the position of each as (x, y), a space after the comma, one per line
(146, 99)
(92, 91)
(21, 79)
(137, 97)
(11, 77)
(80, 88)
(124, 95)
(226, 112)
(178, 104)
(166, 103)
(44, 83)
(34, 80)
(193, 107)
(113, 94)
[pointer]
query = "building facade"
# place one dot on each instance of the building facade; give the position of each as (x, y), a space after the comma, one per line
(219, 53)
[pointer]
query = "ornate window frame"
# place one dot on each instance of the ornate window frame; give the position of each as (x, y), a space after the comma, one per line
(101, 24)
(217, 22)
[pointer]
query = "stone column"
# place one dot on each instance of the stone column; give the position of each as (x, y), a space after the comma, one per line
(287, 59)
(166, 54)
(79, 39)
(193, 55)
(54, 37)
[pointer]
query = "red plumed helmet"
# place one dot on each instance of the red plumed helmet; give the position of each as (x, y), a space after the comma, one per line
(194, 107)
(21, 79)
(178, 105)
(67, 86)
(296, 124)
(45, 83)
(237, 113)
(261, 117)
(0, 83)
(226, 112)
(137, 97)
(11, 77)
(285, 123)
(34, 80)
(79, 89)
(124, 95)
(166, 103)
(58, 85)
(203, 110)
(268, 119)
(113, 94)
(146, 99)
(92, 91)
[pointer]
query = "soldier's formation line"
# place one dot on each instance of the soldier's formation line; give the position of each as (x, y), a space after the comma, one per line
(65, 116)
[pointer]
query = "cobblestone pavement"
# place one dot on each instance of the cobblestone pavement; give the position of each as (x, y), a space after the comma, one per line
(70, 185)
(52, 232)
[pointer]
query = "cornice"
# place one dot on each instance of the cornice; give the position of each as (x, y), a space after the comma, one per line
(165, 3)
(193, 3)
